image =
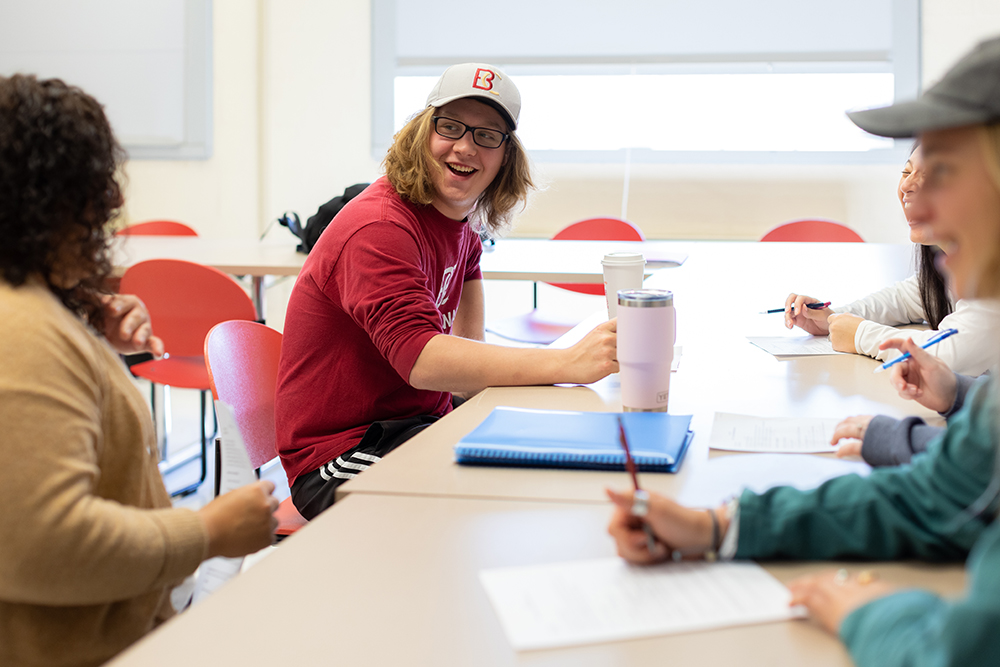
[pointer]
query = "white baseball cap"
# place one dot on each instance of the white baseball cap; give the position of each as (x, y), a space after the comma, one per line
(481, 81)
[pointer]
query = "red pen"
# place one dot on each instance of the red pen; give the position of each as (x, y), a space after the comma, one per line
(640, 499)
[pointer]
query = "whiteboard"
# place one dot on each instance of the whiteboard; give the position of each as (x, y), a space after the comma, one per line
(149, 63)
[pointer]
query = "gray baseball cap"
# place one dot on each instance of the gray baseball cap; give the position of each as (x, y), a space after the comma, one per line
(481, 81)
(969, 94)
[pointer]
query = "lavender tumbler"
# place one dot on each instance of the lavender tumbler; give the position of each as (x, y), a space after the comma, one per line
(646, 330)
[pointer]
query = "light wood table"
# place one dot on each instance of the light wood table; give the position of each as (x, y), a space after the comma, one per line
(392, 581)
(718, 294)
(509, 259)
(389, 575)
(238, 257)
(546, 260)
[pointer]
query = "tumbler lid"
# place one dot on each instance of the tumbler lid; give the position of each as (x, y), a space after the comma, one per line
(645, 298)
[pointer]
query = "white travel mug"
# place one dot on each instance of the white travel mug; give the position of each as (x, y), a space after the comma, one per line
(646, 331)
(622, 270)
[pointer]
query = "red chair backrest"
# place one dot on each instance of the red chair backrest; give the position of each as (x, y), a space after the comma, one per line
(157, 228)
(185, 300)
(813, 231)
(596, 229)
(242, 360)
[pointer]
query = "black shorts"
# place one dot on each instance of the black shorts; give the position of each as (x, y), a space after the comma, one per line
(313, 492)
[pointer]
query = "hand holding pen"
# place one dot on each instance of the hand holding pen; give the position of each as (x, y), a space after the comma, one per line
(813, 306)
(807, 313)
(923, 378)
(933, 340)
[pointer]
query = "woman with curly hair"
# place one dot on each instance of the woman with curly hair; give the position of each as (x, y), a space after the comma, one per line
(387, 318)
(91, 546)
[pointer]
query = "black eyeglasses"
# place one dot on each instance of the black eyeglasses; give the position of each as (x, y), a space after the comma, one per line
(482, 136)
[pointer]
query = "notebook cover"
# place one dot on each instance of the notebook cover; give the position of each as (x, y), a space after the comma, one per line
(588, 440)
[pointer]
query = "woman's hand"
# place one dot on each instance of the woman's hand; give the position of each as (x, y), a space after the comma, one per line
(853, 430)
(807, 319)
(242, 521)
(127, 326)
(923, 377)
(595, 356)
(675, 527)
(843, 327)
(831, 596)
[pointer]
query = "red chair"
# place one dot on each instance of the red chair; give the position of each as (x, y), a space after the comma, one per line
(532, 327)
(595, 229)
(185, 300)
(242, 360)
(157, 228)
(813, 231)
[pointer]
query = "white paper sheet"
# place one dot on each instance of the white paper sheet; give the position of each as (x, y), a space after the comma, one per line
(722, 477)
(236, 472)
(745, 433)
(794, 346)
(592, 601)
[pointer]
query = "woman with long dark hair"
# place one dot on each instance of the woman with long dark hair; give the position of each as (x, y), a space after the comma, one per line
(863, 325)
(91, 547)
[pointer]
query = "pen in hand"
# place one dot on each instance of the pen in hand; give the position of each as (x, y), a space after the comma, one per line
(933, 340)
(640, 499)
(818, 305)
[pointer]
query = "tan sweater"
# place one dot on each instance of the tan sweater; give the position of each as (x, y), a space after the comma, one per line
(89, 544)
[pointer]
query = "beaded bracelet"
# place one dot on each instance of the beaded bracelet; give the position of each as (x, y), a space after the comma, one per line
(712, 554)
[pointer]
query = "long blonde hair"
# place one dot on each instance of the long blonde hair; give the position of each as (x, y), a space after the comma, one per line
(409, 167)
(989, 138)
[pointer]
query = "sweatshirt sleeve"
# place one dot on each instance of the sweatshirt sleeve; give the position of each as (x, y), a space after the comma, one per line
(65, 542)
(918, 629)
(892, 442)
(896, 304)
(969, 353)
(963, 385)
(383, 287)
(904, 512)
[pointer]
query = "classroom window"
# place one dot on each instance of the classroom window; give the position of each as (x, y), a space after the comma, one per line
(734, 112)
(666, 81)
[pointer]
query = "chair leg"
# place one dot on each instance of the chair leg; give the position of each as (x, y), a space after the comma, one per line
(191, 488)
(204, 442)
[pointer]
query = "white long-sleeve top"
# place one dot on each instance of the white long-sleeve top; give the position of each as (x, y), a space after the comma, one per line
(972, 352)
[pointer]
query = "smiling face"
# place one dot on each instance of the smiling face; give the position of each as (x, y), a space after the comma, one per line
(466, 170)
(909, 189)
(960, 205)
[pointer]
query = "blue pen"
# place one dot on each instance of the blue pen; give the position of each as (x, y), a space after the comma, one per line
(818, 305)
(906, 355)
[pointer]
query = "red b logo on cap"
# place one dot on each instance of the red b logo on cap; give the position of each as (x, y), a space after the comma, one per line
(484, 80)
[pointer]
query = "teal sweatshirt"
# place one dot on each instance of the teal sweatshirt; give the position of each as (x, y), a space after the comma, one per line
(916, 511)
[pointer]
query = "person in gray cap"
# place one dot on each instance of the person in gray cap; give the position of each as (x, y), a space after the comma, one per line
(386, 320)
(942, 507)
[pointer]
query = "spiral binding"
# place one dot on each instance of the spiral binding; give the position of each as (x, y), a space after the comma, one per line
(485, 456)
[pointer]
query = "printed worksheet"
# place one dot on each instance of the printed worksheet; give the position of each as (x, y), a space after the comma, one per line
(794, 346)
(798, 435)
(236, 472)
(593, 601)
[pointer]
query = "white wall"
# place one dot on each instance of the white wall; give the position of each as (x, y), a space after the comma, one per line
(219, 196)
(292, 125)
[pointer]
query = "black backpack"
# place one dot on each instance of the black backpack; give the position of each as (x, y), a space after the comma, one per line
(315, 225)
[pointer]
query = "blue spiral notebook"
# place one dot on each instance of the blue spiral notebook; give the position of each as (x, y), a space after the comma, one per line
(589, 440)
